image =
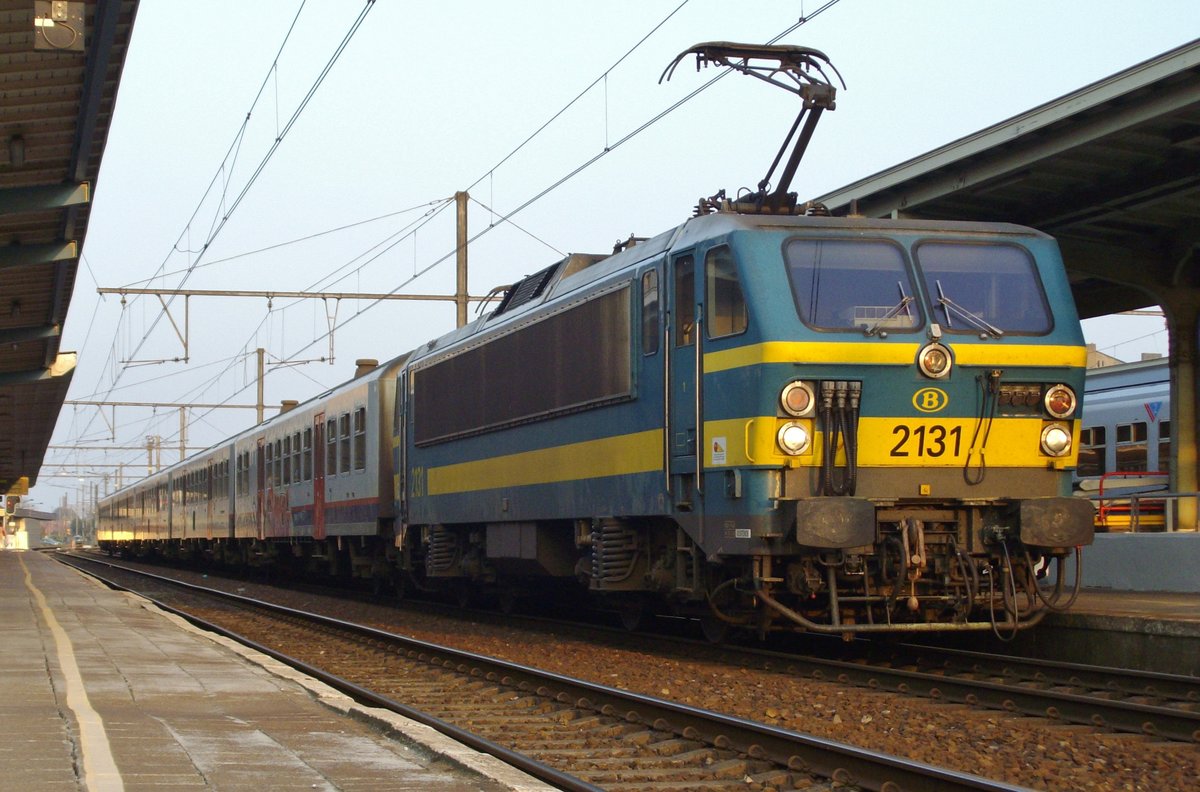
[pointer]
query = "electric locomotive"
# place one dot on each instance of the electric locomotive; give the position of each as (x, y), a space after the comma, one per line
(836, 424)
(766, 417)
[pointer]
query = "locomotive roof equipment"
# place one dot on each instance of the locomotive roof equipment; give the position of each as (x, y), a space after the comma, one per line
(799, 70)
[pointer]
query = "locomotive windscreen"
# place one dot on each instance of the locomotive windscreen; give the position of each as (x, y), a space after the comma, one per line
(566, 362)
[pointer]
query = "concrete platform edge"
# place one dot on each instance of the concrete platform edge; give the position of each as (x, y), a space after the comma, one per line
(418, 734)
(1125, 624)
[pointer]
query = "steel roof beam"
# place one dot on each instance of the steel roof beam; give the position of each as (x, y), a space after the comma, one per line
(20, 255)
(20, 335)
(64, 367)
(14, 200)
(1177, 174)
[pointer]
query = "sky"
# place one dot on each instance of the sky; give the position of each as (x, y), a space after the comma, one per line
(232, 163)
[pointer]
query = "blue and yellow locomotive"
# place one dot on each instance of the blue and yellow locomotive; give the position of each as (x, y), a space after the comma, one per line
(765, 417)
(837, 424)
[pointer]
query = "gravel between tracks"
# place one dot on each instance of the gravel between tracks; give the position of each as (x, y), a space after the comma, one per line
(1029, 752)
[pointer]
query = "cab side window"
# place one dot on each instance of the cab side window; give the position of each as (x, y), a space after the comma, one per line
(650, 312)
(725, 305)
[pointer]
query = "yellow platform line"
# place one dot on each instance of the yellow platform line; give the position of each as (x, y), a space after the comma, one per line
(100, 772)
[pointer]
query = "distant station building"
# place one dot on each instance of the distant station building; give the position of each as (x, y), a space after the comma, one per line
(25, 529)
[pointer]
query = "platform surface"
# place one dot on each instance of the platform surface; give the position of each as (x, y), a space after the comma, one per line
(1167, 606)
(101, 692)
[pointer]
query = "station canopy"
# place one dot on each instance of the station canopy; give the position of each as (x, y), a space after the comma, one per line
(60, 66)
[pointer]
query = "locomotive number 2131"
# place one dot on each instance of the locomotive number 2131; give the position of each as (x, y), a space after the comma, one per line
(932, 440)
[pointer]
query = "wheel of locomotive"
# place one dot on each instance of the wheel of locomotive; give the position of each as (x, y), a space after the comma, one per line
(463, 593)
(379, 586)
(506, 600)
(632, 613)
(715, 630)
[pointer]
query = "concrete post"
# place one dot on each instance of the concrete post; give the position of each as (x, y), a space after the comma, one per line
(460, 288)
(1183, 326)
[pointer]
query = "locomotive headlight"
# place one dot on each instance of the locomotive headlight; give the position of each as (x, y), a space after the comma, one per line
(793, 438)
(797, 399)
(1056, 440)
(1059, 401)
(934, 361)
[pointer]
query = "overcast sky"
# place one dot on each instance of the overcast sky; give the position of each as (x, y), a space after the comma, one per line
(432, 98)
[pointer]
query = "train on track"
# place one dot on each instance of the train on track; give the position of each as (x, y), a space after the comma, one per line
(765, 418)
(1125, 444)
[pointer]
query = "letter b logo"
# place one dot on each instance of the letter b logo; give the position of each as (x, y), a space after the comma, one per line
(929, 400)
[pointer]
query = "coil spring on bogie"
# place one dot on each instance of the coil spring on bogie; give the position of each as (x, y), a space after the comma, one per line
(444, 550)
(614, 551)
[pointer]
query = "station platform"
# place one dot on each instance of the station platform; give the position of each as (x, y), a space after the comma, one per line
(101, 691)
(1148, 630)
(1139, 606)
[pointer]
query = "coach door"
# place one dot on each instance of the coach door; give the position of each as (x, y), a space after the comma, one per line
(683, 398)
(261, 489)
(318, 452)
(209, 502)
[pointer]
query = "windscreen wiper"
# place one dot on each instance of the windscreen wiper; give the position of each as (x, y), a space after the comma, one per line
(979, 324)
(893, 311)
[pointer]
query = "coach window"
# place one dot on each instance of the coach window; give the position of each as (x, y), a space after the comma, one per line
(278, 462)
(296, 477)
(1164, 446)
(344, 442)
(725, 305)
(650, 312)
(1131, 447)
(360, 438)
(331, 447)
(307, 454)
(685, 301)
(287, 460)
(1091, 452)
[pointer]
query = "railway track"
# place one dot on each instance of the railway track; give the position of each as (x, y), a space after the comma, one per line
(572, 733)
(1165, 706)
(1162, 706)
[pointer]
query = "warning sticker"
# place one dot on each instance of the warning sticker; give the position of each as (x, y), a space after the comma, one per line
(718, 451)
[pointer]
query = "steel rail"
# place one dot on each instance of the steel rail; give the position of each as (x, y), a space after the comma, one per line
(1128, 681)
(1016, 685)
